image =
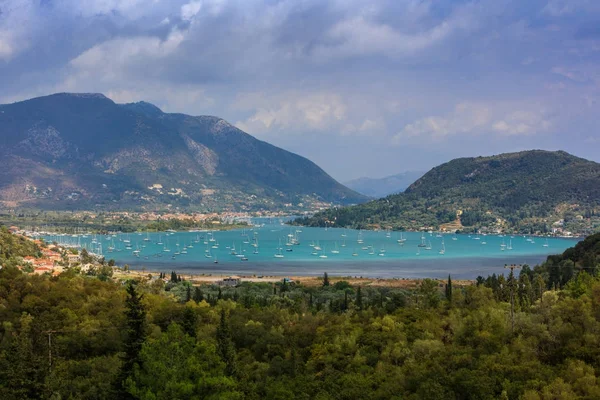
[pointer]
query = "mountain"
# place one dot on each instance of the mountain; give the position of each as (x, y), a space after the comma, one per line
(528, 191)
(83, 150)
(380, 187)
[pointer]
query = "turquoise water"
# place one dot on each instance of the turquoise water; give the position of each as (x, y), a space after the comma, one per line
(379, 255)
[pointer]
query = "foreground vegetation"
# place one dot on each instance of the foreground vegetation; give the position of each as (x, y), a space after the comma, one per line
(78, 337)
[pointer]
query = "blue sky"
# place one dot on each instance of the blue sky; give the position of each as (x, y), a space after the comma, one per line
(363, 88)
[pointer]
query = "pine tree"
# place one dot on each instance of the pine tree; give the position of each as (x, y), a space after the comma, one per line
(449, 289)
(325, 279)
(220, 294)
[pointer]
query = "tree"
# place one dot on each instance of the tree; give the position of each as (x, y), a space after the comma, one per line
(225, 346)
(198, 296)
(359, 302)
(188, 293)
(449, 290)
(325, 279)
(189, 321)
(135, 315)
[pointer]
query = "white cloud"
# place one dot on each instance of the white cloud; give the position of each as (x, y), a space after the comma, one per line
(476, 119)
(109, 60)
(291, 111)
(189, 10)
(6, 49)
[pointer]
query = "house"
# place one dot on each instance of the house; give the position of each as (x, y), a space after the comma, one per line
(231, 281)
(73, 258)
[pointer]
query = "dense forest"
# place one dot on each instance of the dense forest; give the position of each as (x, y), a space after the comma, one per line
(78, 337)
(524, 192)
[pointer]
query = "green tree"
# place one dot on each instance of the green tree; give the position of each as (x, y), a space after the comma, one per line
(448, 290)
(135, 314)
(359, 300)
(225, 345)
(325, 279)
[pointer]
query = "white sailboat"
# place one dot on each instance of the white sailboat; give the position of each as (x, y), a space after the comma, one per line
(443, 249)
(279, 254)
(336, 250)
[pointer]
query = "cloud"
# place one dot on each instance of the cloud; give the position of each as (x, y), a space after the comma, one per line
(348, 75)
(472, 119)
(295, 111)
(189, 10)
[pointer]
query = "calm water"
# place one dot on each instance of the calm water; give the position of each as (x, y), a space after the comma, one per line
(379, 255)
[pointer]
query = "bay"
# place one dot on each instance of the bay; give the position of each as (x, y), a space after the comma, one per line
(342, 252)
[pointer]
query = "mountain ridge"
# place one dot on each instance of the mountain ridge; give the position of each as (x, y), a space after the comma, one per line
(84, 150)
(530, 191)
(381, 187)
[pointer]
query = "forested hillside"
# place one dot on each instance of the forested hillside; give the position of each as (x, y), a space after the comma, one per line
(528, 192)
(77, 337)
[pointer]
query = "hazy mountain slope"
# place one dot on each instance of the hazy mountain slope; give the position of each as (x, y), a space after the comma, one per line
(529, 190)
(381, 187)
(84, 150)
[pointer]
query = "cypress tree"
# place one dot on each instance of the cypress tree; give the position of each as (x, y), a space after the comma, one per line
(225, 345)
(189, 322)
(345, 300)
(135, 314)
(359, 299)
(198, 296)
(188, 294)
(449, 290)
(220, 294)
(325, 279)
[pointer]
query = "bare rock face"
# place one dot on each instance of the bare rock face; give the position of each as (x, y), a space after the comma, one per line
(91, 152)
(45, 141)
(208, 159)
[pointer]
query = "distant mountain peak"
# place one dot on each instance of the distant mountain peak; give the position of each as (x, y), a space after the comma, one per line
(83, 150)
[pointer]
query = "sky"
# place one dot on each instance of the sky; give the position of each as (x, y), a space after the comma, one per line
(362, 88)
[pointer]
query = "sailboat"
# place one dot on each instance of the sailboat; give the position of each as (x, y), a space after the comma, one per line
(354, 254)
(443, 249)
(360, 239)
(509, 245)
(422, 244)
(545, 244)
(344, 243)
(147, 238)
(428, 246)
(381, 251)
(503, 246)
(279, 255)
(335, 251)
(402, 239)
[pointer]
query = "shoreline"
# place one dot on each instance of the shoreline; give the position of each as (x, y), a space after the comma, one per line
(304, 280)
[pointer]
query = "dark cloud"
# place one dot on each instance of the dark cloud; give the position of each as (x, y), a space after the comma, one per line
(362, 88)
